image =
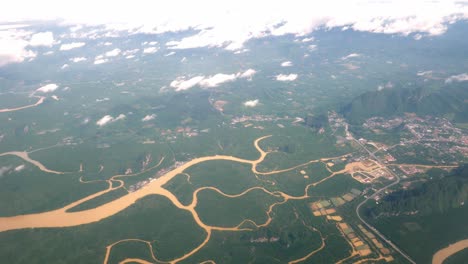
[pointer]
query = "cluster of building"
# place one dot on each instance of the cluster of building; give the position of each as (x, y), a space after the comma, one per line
(264, 240)
(71, 141)
(375, 123)
(431, 132)
(172, 134)
(146, 162)
(160, 173)
(388, 158)
(410, 170)
(219, 105)
(255, 118)
(429, 128)
(336, 121)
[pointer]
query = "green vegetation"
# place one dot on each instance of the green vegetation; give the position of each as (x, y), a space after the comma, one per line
(416, 233)
(228, 176)
(390, 137)
(173, 233)
(181, 188)
(31, 190)
(412, 218)
(449, 99)
(418, 154)
(114, 158)
(336, 186)
(294, 182)
(288, 237)
(218, 210)
(131, 249)
(316, 122)
(298, 146)
(434, 196)
(458, 258)
(149, 121)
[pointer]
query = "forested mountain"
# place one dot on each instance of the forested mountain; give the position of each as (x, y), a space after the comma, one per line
(449, 100)
(434, 196)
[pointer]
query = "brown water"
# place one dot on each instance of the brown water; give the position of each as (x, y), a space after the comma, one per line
(441, 255)
(62, 218)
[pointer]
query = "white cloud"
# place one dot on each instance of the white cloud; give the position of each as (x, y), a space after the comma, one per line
(11, 52)
(417, 37)
(42, 39)
(150, 50)
(457, 78)
(120, 117)
(424, 73)
(229, 25)
(240, 51)
(251, 103)
(217, 79)
(286, 64)
(103, 99)
(64, 66)
(312, 47)
(113, 53)
(98, 60)
(104, 120)
(13, 26)
(130, 52)
(247, 74)
(47, 88)
(72, 45)
(109, 119)
(13, 47)
(285, 78)
(352, 55)
(180, 84)
(148, 118)
(78, 59)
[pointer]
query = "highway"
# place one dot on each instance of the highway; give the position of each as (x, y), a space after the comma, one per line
(388, 241)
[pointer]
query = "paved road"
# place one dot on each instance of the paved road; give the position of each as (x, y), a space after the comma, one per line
(388, 241)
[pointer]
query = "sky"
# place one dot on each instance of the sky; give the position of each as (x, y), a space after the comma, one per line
(226, 24)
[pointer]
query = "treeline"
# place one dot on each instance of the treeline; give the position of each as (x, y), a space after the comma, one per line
(434, 196)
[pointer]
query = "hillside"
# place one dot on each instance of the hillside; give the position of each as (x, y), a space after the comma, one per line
(434, 196)
(450, 100)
